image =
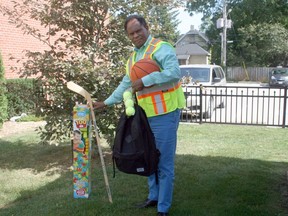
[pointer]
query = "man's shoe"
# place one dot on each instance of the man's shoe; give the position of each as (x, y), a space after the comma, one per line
(147, 203)
(162, 214)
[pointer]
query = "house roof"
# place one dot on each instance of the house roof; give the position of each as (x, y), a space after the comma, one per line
(191, 49)
(183, 56)
(192, 32)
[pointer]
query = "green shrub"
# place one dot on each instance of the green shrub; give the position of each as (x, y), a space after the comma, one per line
(3, 90)
(21, 96)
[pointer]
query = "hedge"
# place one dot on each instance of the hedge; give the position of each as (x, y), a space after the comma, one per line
(21, 96)
(3, 90)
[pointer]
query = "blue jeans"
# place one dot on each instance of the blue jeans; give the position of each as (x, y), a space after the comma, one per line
(165, 129)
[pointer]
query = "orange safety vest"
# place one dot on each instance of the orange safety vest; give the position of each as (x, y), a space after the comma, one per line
(158, 99)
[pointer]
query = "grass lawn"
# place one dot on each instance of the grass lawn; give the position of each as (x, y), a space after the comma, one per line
(220, 170)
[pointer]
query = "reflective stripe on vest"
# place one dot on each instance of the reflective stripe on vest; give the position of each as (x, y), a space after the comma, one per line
(130, 63)
(151, 48)
(157, 95)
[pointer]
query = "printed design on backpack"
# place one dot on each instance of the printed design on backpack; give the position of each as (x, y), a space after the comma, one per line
(134, 150)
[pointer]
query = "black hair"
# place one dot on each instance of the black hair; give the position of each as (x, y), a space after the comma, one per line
(77, 131)
(140, 19)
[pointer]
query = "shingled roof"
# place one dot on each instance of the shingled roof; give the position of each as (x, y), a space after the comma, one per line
(192, 31)
(191, 49)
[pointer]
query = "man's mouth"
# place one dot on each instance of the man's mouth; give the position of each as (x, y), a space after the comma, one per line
(138, 40)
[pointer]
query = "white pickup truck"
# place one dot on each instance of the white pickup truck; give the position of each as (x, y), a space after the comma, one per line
(206, 76)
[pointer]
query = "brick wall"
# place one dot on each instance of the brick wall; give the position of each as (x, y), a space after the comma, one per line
(14, 43)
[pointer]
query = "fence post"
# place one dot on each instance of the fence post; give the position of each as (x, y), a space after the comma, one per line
(201, 103)
(284, 108)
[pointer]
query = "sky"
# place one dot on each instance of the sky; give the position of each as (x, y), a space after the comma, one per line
(187, 21)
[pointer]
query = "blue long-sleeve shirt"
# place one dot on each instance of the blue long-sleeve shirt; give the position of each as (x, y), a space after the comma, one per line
(165, 57)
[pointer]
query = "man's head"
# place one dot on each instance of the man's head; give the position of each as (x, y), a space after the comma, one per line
(137, 30)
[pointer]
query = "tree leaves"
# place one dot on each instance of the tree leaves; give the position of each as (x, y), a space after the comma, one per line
(265, 44)
(255, 47)
(84, 42)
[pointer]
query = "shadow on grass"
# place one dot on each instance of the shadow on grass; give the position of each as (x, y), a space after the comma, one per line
(230, 186)
(203, 186)
(39, 158)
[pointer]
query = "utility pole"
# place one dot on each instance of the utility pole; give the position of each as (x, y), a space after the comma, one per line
(224, 40)
(225, 24)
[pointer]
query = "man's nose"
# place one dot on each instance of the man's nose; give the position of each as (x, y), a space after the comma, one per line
(135, 35)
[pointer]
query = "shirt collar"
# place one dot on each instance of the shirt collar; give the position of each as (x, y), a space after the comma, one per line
(144, 45)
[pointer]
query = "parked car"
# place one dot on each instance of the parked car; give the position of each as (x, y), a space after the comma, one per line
(278, 77)
(196, 75)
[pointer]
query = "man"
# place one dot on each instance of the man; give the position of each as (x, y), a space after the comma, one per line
(161, 103)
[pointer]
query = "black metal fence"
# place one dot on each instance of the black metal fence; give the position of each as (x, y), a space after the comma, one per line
(247, 105)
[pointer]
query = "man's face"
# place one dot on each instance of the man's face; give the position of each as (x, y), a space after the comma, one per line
(137, 33)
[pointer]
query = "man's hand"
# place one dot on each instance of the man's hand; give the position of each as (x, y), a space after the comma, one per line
(137, 85)
(98, 105)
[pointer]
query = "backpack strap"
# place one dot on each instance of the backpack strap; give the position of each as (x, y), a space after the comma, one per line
(135, 98)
